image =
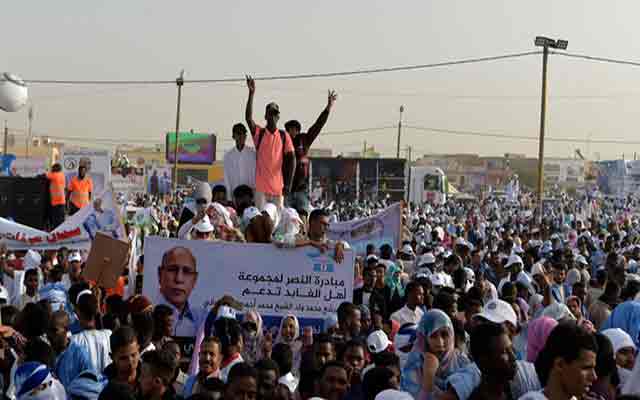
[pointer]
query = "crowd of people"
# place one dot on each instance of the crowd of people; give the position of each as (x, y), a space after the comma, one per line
(483, 299)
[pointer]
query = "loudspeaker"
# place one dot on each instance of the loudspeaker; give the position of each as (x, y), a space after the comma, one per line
(25, 200)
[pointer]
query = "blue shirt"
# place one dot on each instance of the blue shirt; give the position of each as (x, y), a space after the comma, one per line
(71, 363)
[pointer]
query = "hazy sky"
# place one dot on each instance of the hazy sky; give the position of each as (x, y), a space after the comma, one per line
(135, 40)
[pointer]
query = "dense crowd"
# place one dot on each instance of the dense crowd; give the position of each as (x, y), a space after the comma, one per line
(481, 301)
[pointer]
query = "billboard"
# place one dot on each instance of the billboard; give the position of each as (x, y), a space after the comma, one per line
(194, 148)
(98, 163)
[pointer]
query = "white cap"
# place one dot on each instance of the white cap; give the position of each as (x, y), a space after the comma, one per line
(32, 260)
(581, 260)
(372, 257)
(250, 213)
(498, 312)
(272, 211)
(75, 257)
(427, 258)
(393, 394)
(204, 225)
(514, 259)
(537, 269)
(461, 242)
(377, 342)
(619, 339)
(407, 249)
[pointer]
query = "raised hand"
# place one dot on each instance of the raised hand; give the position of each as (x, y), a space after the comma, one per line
(251, 84)
(333, 96)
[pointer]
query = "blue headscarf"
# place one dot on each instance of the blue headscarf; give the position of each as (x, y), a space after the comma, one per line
(626, 316)
(88, 385)
(56, 294)
(392, 279)
(30, 376)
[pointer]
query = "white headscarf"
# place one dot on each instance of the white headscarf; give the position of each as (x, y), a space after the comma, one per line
(296, 325)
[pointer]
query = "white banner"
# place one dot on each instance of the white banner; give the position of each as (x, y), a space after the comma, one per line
(382, 228)
(274, 281)
(76, 232)
(127, 180)
(28, 167)
(99, 167)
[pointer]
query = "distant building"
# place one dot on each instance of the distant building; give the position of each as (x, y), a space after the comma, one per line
(315, 152)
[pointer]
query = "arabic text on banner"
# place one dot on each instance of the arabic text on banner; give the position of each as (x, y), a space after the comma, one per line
(274, 281)
(76, 232)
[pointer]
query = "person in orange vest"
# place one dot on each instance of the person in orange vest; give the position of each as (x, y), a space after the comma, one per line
(56, 195)
(79, 190)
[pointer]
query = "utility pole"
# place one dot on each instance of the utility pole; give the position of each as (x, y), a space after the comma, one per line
(30, 120)
(6, 138)
(179, 83)
(545, 43)
(399, 132)
(409, 173)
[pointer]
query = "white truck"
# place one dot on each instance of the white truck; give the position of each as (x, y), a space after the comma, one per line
(428, 185)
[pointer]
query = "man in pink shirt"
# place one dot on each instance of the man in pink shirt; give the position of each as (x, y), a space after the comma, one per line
(275, 158)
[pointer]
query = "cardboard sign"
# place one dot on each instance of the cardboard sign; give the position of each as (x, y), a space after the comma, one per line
(107, 259)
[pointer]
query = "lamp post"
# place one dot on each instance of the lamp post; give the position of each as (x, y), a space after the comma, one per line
(546, 44)
(179, 83)
(399, 132)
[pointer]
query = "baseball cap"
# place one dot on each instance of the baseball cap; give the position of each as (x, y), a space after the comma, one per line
(407, 249)
(514, 259)
(537, 268)
(377, 342)
(498, 312)
(250, 213)
(581, 260)
(75, 257)
(426, 259)
(204, 225)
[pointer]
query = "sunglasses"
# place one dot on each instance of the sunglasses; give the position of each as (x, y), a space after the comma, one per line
(201, 201)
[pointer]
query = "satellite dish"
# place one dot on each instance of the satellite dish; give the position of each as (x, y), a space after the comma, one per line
(13, 92)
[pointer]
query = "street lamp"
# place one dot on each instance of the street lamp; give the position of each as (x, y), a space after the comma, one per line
(13, 96)
(179, 84)
(399, 132)
(546, 44)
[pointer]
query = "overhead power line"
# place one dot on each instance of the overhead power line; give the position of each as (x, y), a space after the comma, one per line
(366, 71)
(519, 137)
(597, 59)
